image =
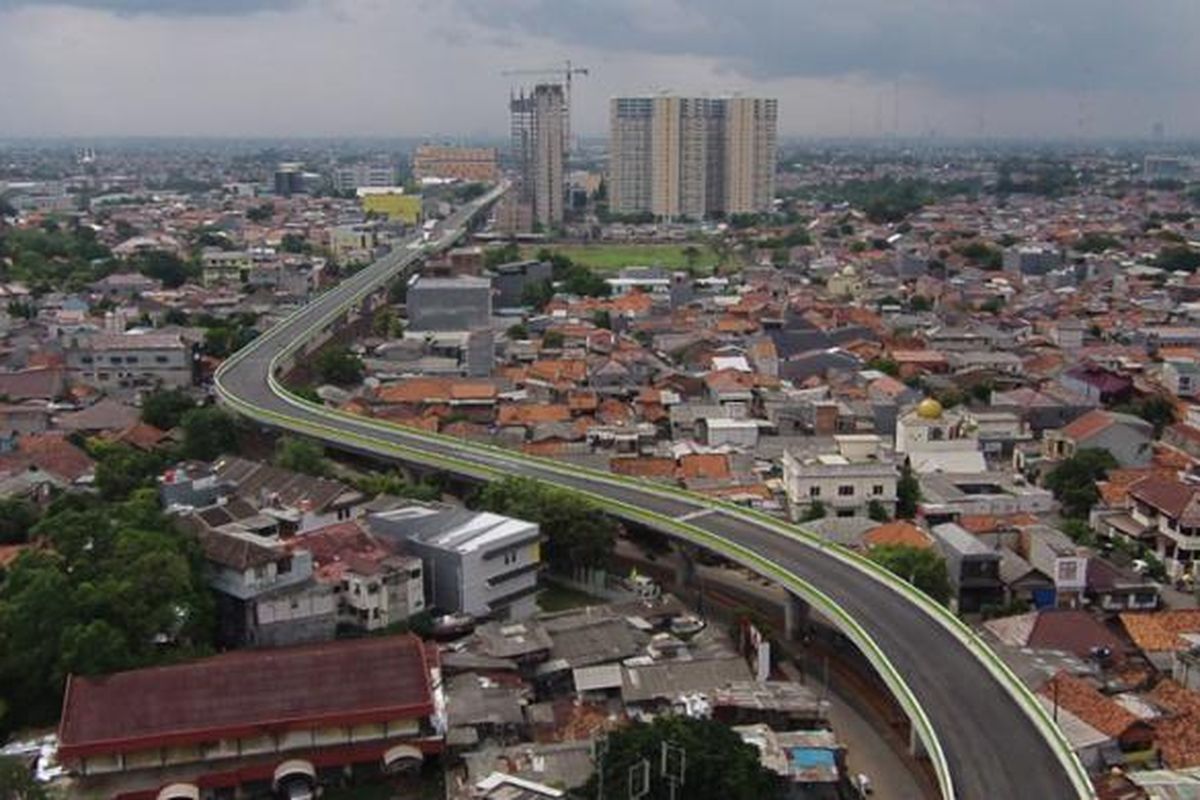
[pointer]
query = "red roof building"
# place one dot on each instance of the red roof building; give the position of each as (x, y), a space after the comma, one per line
(241, 717)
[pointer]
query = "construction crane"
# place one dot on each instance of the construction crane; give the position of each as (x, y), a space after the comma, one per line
(564, 73)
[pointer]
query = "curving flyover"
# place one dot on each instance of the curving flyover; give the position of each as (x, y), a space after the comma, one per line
(986, 736)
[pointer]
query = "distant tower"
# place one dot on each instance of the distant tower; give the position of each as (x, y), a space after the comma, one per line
(537, 131)
(1158, 132)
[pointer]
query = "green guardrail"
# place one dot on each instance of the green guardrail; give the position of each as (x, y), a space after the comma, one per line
(727, 547)
(371, 282)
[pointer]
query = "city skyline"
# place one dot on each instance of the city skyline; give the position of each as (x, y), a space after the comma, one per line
(349, 68)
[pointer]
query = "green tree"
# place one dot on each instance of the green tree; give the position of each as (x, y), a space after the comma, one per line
(17, 516)
(536, 295)
(602, 319)
(169, 268)
(691, 255)
(18, 783)
(1073, 480)
(207, 433)
(505, 254)
(578, 533)
(908, 492)
(164, 408)
(920, 566)
(552, 339)
(386, 323)
(518, 330)
(260, 213)
(885, 365)
(1159, 411)
(1079, 531)
(120, 469)
(815, 511)
(294, 243)
(119, 588)
(340, 367)
(718, 764)
(394, 484)
(301, 455)
(877, 511)
(1178, 257)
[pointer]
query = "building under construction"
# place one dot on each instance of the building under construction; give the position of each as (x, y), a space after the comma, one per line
(539, 134)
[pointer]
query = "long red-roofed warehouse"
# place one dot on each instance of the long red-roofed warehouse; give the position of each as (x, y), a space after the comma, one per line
(251, 719)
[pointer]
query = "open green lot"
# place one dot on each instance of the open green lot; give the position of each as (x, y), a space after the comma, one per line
(554, 597)
(618, 256)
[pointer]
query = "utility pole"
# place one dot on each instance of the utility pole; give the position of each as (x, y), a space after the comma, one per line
(673, 771)
(600, 750)
(639, 779)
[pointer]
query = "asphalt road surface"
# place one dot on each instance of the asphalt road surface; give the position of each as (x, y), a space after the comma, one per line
(994, 751)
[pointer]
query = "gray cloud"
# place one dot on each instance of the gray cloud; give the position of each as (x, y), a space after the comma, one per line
(959, 44)
(173, 8)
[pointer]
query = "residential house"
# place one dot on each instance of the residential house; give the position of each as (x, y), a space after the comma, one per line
(267, 595)
(375, 586)
(1170, 510)
(1128, 438)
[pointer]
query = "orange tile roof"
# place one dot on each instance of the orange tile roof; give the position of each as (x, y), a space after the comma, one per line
(987, 523)
(1086, 702)
(9, 553)
(559, 369)
(898, 532)
(1159, 631)
(533, 414)
(435, 390)
(704, 465)
(643, 466)
(1177, 736)
(1087, 425)
(583, 401)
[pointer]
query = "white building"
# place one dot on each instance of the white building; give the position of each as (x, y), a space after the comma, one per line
(938, 440)
(476, 563)
(846, 482)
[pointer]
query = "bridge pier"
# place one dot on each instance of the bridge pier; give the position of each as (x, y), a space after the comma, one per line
(795, 618)
(916, 747)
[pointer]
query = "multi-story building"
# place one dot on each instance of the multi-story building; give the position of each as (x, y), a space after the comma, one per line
(692, 156)
(476, 563)
(431, 162)
(449, 304)
(846, 482)
(219, 266)
(974, 568)
(374, 586)
(130, 360)
(538, 150)
(256, 723)
(266, 595)
(365, 175)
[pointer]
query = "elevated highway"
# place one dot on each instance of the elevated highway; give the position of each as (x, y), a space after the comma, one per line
(986, 737)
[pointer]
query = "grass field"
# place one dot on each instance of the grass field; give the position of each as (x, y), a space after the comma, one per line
(559, 598)
(603, 257)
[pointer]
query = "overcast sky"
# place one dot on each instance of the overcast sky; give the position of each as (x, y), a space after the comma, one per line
(433, 67)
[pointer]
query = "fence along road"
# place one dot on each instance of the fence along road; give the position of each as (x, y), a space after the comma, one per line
(986, 736)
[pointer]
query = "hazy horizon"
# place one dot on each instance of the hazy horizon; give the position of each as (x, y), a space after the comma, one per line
(1004, 71)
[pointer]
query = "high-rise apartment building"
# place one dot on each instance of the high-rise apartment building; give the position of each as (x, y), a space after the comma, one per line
(538, 140)
(692, 156)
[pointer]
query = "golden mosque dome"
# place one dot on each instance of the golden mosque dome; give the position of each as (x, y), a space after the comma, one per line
(929, 409)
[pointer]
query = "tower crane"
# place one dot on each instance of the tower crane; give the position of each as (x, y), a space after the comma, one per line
(564, 74)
